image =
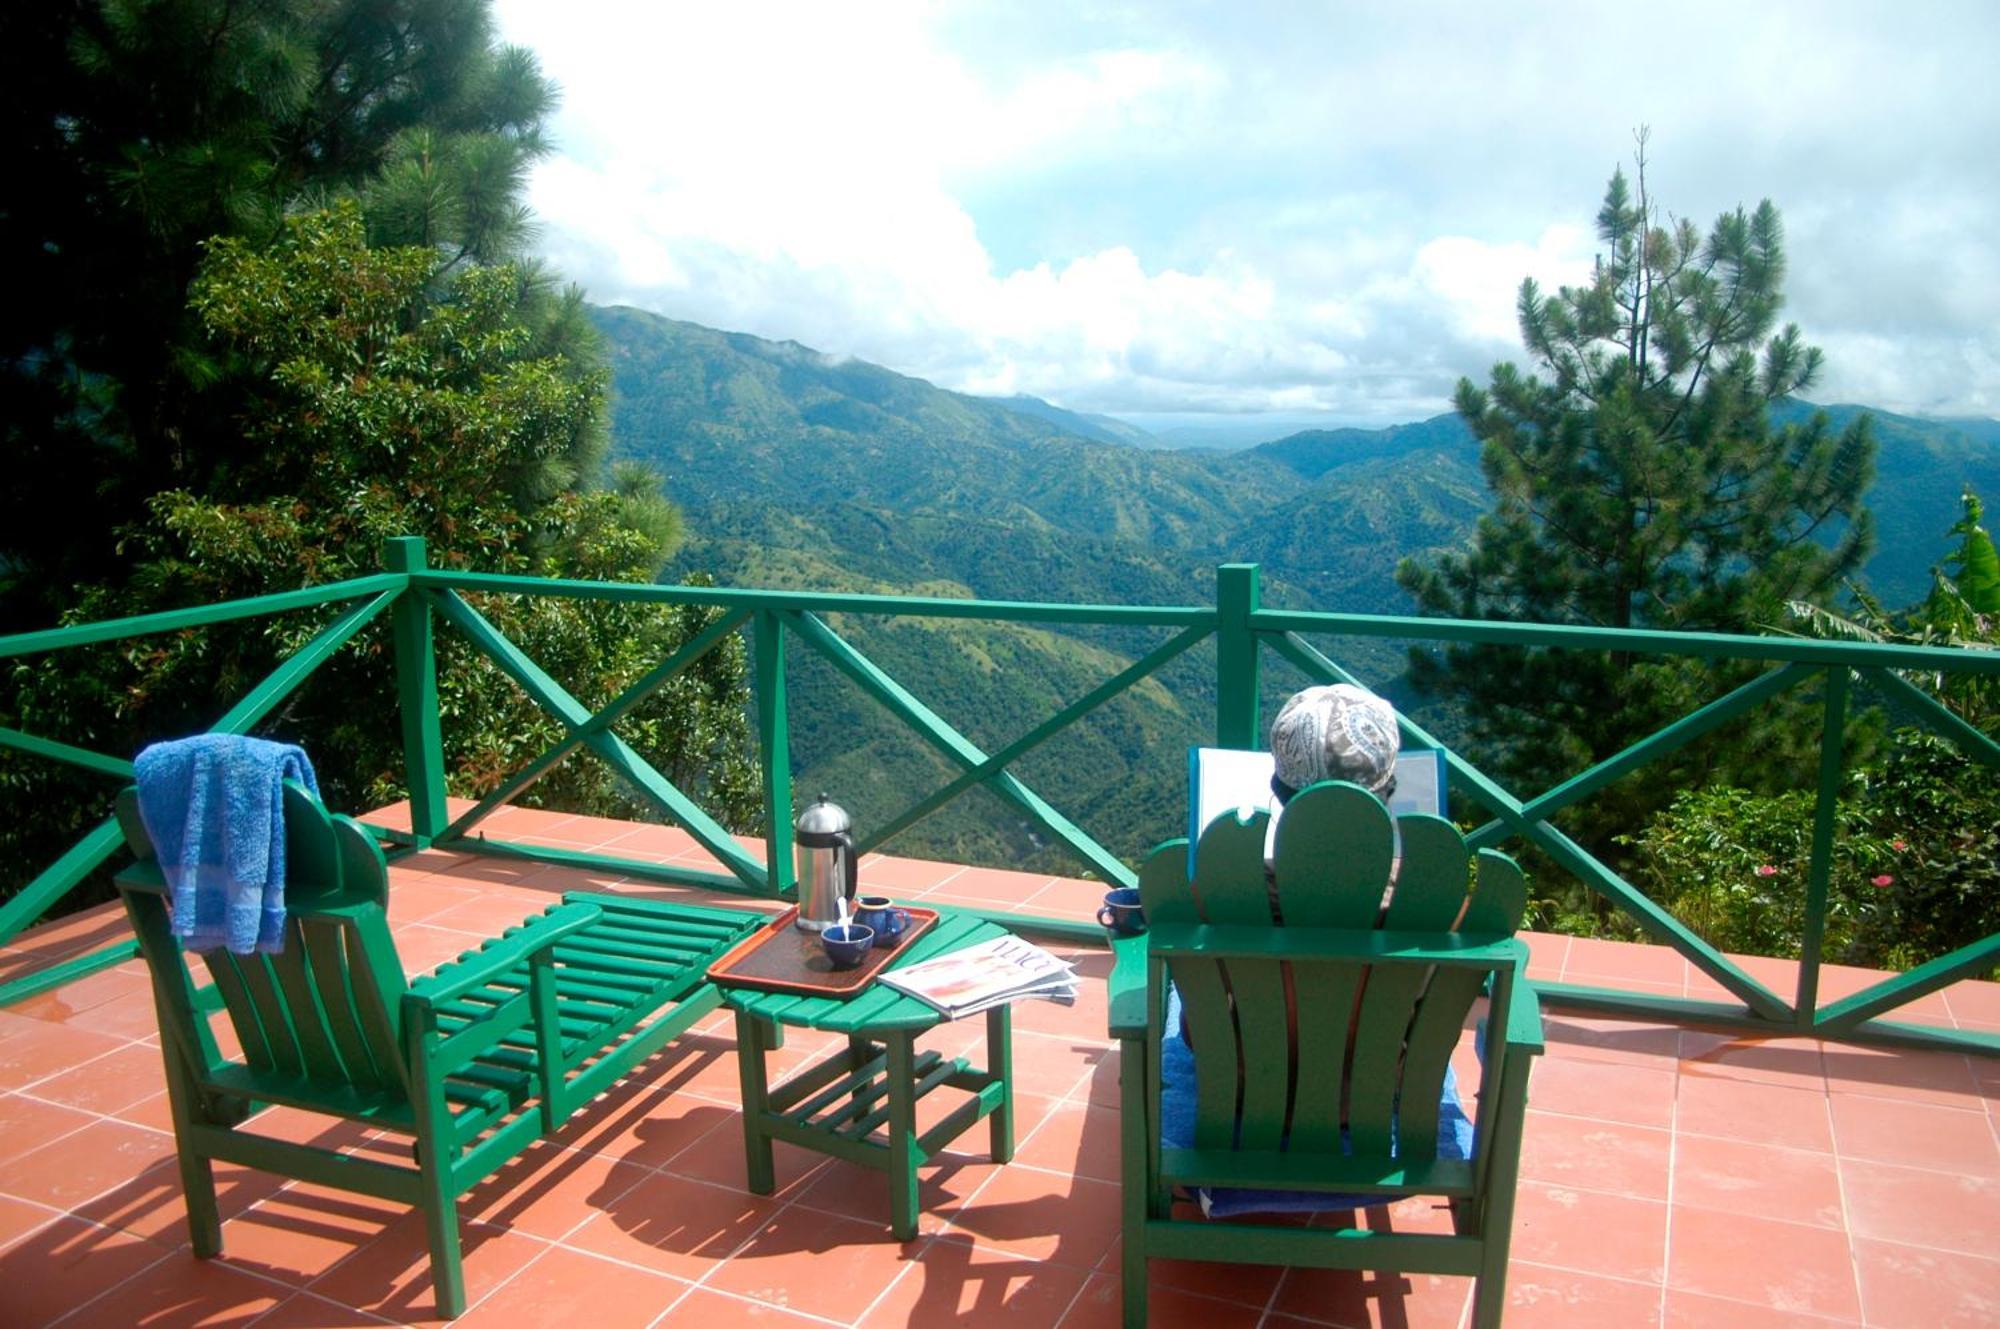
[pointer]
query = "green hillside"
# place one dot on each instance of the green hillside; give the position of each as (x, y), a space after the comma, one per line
(1921, 469)
(1103, 428)
(802, 471)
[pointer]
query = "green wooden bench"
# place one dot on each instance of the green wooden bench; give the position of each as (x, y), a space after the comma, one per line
(1320, 1046)
(475, 1061)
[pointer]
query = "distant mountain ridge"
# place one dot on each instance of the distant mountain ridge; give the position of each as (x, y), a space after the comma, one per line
(1103, 428)
(802, 470)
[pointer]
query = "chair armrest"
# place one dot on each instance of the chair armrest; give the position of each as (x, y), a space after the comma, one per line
(1524, 1019)
(1127, 985)
(478, 969)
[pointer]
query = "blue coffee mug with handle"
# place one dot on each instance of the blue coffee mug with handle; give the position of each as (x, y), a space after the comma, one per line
(877, 912)
(1122, 914)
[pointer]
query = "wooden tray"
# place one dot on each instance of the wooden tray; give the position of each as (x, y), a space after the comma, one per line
(781, 958)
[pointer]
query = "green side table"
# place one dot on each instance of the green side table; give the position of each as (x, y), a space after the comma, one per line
(839, 1105)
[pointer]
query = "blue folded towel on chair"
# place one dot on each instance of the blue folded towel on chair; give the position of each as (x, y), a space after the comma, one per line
(1454, 1138)
(214, 808)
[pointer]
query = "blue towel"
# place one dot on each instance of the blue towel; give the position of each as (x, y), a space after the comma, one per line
(214, 808)
(1177, 1132)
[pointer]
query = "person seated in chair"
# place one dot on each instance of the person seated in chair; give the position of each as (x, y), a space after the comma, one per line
(1335, 732)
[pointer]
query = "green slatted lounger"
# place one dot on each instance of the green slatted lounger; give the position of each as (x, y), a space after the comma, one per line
(1320, 1046)
(475, 1061)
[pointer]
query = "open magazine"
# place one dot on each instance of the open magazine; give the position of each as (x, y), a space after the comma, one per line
(1226, 780)
(988, 974)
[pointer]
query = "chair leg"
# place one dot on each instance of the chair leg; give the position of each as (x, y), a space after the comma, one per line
(1489, 1300)
(197, 1170)
(1133, 1270)
(204, 1215)
(1489, 1290)
(440, 1204)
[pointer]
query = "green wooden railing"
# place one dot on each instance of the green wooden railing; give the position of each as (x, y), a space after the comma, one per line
(420, 598)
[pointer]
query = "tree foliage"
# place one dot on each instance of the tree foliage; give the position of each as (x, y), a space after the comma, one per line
(1638, 483)
(399, 401)
(133, 131)
(270, 307)
(1962, 610)
(1916, 869)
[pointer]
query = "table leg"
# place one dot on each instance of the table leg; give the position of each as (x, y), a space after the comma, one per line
(753, 1040)
(1000, 1062)
(902, 1126)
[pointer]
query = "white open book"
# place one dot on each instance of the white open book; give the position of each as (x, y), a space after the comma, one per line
(1234, 780)
(987, 974)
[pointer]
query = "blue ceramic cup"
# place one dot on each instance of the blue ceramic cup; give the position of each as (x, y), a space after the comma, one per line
(847, 944)
(889, 922)
(1121, 914)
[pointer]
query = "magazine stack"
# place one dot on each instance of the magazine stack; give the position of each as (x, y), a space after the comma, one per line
(989, 974)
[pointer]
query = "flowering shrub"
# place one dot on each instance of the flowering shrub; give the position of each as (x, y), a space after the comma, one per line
(1916, 863)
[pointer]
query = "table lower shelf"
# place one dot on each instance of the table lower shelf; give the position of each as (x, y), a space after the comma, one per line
(859, 1104)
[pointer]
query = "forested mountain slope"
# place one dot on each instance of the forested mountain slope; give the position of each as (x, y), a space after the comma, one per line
(799, 470)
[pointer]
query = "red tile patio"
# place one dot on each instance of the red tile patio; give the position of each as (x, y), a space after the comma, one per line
(1671, 1177)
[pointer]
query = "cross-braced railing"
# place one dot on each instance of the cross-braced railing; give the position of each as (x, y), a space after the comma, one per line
(422, 599)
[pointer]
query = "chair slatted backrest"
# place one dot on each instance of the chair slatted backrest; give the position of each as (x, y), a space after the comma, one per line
(327, 1009)
(1296, 1054)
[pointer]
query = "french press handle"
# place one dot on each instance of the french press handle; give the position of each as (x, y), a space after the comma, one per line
(846, 843)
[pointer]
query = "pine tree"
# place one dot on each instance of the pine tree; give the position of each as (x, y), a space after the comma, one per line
(1638, 483)
(269, 306)
(133, 131)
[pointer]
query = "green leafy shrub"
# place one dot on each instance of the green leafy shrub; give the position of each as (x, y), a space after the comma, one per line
(1916, 863)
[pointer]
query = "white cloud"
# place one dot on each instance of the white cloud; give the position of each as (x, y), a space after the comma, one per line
(1273, 208)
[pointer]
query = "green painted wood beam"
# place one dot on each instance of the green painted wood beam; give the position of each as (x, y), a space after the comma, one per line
(619, 755)
(68, 971)
(1238, 596)
(1974, 960)
(60, 877)
(1706, 645)
(415, 646)
(1722, 1015)
(281, 682)
(1819, 869)
(174, 620)
(1674, 737)
(607, 864)
(69, 755)
(1936, 716)
(774, 745)
(1314, 1247)
(601, 722)
(1065, 930)
(1237, 942)
(1140, 669)
(807, 602)
(905, 706)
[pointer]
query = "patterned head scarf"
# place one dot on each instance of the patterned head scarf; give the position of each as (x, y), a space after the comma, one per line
(1337, 732)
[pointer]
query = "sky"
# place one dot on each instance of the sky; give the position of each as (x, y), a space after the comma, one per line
(1317, 212)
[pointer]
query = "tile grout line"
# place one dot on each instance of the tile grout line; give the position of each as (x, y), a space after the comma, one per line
(1846, 1216)
(166, 1253)
(1673, 1162)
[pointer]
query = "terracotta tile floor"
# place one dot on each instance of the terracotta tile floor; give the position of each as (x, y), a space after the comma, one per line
(1671, 1177)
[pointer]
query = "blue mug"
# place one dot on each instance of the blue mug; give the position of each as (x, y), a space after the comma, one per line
(1122, 915)
(889, 922)
(847, 945)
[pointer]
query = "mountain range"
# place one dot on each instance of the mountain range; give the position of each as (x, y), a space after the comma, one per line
(800, 470)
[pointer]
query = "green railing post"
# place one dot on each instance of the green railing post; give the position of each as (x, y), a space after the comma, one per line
(1237, 596)
(1832, 741)
(416, 691)
(774, 738)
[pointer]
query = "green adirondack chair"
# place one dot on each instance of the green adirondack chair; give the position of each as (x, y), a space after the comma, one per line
(475, 1061)
(1320, 1046)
